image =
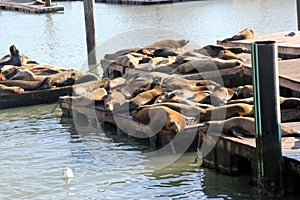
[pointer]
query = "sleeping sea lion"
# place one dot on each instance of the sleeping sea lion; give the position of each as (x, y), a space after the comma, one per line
(175, 122)
(10, 90)
(145, 97)
(88, 87)
(86, 78)
(129, 60)
(214, 50)
(90, 98)
(207, 64)
(186, 110)
(29, 85)
(244, 126)
(247, 33)
(168, 43)
(114, 101)
(228, 55)
(227, 111)
(245, 91)
(24, 75)
(2, 77)
(164, 52)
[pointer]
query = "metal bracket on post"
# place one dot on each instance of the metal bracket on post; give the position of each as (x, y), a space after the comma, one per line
(267, 119)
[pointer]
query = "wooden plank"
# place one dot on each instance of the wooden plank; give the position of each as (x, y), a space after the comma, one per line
(34, 97)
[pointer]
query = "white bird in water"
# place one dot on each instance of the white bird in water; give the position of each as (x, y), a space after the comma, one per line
(67, 172)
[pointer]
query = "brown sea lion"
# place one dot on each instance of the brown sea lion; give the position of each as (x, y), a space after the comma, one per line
(45, 70)
(65, 78)
(129, 60)
(88, 87)
(289, 103)
(25, 75)
(220, 96)
(4, 90)
(228, 55)
(245, 100)
(164, 52)
(9, 71)
(186, 110)
(86, 78)
(113, 83)
(90, 98)
(227, 111)
(247, 33)
(214, 50)
(168, 43)
(2, 77)
(16, 57)
(29, 85)
(208, 64)
(174, 120)
(244, 91)
(244, 126)
(145, 97)
(114, 101)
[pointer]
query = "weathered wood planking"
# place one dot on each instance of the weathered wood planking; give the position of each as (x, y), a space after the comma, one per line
(289, 71)
(34, 97)
(29, 6)
(289, 45)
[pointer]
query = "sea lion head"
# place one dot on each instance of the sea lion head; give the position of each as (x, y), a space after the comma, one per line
(183, 42)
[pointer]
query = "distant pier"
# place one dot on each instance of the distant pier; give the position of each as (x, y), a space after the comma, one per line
(30, 6)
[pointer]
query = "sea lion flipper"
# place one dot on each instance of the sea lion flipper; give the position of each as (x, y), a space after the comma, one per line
(239, 132)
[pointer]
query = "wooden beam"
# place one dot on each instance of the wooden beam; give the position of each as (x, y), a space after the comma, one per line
(90, 30)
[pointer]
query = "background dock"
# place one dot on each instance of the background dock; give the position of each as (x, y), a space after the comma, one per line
(30, 6)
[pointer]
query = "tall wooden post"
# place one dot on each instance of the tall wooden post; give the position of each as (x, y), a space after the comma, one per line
(48, 2)
(90, 30)
(298, 13)
(267, 119)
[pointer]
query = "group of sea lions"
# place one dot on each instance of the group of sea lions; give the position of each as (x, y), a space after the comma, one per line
(172, 56)
(154, 94)
(18, 73)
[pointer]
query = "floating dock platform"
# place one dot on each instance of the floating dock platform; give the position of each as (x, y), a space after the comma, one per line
(30, 6)
(230, 155)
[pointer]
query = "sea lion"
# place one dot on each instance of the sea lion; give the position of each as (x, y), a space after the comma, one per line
(168, 43)
(245, 100)
(88, 87)
(245, 91)
(9, 71)
(164, 52)
(219, 96)
(86, 78)
(25, 75)
(129, 60)
(2, 77)
(4, 90)
(45, 70)
(289, 103)
(186, 110)
(244, 126)
(228, 55)
(207, 64)
(90, 98)
(227, 111)
(29, 85)
(175, 122)
(16, 57)
(214, 50)
(65, 78)
(145, 97)
(115, 102)
(247, 33)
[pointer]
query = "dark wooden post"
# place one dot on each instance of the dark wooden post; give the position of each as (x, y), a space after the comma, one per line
(298, 13)
(267, 119)
(48, 2)
(90, 30)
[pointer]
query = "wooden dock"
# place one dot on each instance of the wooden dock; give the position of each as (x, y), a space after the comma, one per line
(30, 6)
(29, 98)
(141, 2)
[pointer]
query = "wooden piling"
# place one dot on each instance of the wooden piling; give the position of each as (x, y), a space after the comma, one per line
(48, 3)
(267, 119)
(298, 13)
(89, 7)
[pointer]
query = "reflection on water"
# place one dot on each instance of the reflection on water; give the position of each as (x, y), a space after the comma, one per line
(35, 143)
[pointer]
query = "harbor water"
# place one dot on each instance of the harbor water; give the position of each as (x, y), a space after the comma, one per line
(35, 142)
